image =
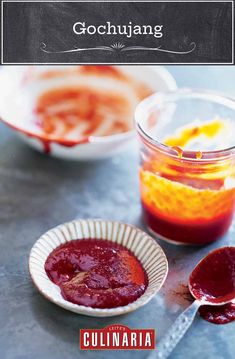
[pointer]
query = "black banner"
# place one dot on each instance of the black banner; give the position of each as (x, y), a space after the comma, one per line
(117, 32)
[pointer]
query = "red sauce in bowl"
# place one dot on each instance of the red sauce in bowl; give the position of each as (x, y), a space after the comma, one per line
(96, 273)
(60, 112)
(85, 108)
(77, 105)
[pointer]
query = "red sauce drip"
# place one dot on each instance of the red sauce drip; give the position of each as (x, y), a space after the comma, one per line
(46, 146)
(96, 273)
(213, 279)
(198, 155)
(218, 314)
(178, 150)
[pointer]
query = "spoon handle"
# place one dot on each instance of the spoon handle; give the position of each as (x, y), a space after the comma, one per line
(176, 332)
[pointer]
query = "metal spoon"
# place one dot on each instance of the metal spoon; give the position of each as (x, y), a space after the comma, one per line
(212, 282)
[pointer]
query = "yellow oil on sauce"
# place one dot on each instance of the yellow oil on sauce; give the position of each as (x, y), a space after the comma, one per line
(185, 135)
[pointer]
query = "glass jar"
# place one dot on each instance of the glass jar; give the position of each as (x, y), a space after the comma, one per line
(187, 171)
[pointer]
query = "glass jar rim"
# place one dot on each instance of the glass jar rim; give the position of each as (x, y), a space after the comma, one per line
(157, 98)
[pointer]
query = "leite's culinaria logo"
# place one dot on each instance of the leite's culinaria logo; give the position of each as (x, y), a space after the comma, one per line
(117, 337)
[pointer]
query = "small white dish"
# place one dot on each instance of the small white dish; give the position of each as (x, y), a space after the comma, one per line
(144, 247)
(17, 95)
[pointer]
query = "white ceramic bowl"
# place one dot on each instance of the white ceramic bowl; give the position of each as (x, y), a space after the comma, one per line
(15, 104)
(143, 246)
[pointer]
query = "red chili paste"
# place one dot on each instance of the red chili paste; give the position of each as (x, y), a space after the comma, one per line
(213, 280)
(187, 204)
(96, 273)
(75, 112)
(66, 111)
(221, 314)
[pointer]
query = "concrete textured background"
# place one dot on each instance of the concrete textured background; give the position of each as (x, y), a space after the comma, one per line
(39, 192)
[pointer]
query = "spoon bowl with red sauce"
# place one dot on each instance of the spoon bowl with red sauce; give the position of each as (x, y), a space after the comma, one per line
(212, 284)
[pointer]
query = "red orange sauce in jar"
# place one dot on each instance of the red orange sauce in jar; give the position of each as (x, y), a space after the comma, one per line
(96, 273)
(186, 204)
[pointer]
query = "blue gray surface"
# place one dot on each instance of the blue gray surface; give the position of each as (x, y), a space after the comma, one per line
(37, 193)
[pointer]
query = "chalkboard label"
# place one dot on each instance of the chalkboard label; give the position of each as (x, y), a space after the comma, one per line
(112, 32)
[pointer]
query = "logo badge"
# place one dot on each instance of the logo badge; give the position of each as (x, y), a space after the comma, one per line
(117, 337)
